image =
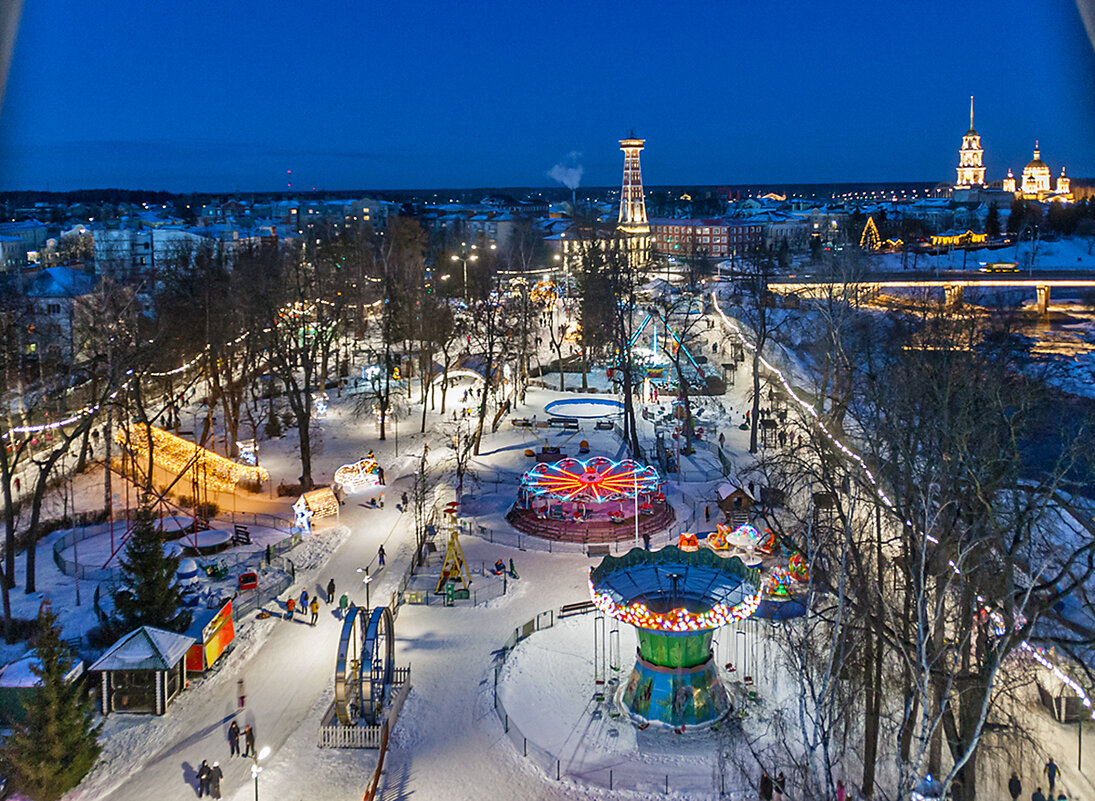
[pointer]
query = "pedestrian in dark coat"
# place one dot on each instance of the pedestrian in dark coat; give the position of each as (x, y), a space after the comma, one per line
(1037, 795)
(304, 600)
(1052, 772)
(248, 741)
(203, 779)
(777, 787)
(234, 739)
(765, 786)
(241, 693)
(215, 776)
(1015, 787)
(331, 591)
(380, 556)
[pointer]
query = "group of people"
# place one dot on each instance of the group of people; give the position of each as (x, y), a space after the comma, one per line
(1051, 771)
(291, 606)
(209, 776)
(773, 789)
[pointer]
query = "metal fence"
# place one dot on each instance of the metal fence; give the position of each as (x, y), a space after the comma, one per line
(553, 764)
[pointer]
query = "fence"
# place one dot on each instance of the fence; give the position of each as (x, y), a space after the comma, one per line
(332, 734)
(512, 538)
(389, 720)
(552, 764)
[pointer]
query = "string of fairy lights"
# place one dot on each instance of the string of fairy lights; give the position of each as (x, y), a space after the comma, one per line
(1037, 652)
(679, 620)
(179, 455)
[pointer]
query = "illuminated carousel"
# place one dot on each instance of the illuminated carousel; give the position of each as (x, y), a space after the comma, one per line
(676, 599)
(596, 500)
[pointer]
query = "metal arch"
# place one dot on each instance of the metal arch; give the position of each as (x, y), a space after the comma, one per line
(348, 678)
(379, 649)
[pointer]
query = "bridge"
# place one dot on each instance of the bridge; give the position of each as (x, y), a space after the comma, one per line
(952, 282)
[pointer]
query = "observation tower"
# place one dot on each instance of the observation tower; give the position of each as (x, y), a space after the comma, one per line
(675, 599)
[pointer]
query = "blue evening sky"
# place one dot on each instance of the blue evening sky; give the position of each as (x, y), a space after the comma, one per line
(217, 96)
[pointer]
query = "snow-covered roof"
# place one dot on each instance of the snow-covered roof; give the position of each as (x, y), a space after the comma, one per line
(20, 674)
(146, 648)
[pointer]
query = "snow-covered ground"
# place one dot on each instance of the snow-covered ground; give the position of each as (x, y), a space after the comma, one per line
(449, 742)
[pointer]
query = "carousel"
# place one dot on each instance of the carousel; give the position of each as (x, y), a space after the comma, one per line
(598, 500)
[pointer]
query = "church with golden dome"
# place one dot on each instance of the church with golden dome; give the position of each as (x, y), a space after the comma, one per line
(1037, 183)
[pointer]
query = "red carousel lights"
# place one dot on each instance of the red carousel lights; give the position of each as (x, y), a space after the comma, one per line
(598, 479)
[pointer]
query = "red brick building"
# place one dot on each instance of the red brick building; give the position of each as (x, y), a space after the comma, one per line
(717, 238)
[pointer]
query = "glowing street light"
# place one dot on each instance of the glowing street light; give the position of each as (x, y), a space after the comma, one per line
(256, 769)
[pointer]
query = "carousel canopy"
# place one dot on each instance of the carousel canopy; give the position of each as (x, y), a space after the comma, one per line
(598, 479)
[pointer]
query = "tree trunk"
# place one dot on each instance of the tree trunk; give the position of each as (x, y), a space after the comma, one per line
(756, 402)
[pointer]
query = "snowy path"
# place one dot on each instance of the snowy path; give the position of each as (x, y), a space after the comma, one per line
(285, 678)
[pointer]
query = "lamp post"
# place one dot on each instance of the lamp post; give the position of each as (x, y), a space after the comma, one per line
(256, 769)
(366, 581)
(465, 259)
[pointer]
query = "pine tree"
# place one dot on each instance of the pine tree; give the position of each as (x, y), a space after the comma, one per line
(992, 222)
(57, 745)
(869, 239)
(150, 594)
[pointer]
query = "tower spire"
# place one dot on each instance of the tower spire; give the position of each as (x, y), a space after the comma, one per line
(971, 112)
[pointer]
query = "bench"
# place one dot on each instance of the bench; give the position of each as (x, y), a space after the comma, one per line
(603, 425)
(598, 550)
(579, 608)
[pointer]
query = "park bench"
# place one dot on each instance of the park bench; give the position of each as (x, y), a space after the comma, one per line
(599, 550)
(579, 608)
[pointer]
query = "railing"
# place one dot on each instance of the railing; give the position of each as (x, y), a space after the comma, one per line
(552, 764)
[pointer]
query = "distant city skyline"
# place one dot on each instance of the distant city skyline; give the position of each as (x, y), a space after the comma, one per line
(219, 97)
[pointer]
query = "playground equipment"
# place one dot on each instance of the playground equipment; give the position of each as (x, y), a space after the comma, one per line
(454, 568)
(676, 600)
(651, 360)
(364, 665)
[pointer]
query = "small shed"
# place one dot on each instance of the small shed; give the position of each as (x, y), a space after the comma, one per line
(734, 499)
(143, 671)
(18, 681)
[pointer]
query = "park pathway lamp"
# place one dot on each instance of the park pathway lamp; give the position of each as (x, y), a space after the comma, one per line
(256, 769)
(366, 581)
(465, 259)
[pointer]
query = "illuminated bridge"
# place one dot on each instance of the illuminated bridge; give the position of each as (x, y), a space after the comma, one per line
(951, 282)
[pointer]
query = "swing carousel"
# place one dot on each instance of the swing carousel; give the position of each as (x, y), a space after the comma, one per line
(596, 500)
(676, 599)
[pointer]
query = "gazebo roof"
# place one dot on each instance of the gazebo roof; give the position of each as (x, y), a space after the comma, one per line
(146, 648)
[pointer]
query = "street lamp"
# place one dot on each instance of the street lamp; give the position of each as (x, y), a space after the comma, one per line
(256, 769)
(366, 581)
(465, 259)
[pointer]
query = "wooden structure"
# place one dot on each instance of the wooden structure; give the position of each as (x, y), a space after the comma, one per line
(143, 671)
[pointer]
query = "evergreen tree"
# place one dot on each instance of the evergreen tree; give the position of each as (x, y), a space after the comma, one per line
(150, 593)
(57, 745)
(992, 222)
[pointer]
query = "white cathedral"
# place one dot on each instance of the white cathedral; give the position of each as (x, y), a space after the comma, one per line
(1036, 175)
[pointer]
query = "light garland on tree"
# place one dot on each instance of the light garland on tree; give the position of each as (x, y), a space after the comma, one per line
(876, 487)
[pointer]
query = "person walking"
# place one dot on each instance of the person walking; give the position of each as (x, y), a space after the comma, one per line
(249, 741)
(1052, 772)
(778, 786)
(1015, 787)
(203, 779)
(343, 604)
(404, 499)
(304, 600)
(234, 739)
(215, 776)
(841, 791)
(1037, 795)
(289, 606)
(331, 591)
(241, 693)
(765, 786)
(380, 556)
(315, 610)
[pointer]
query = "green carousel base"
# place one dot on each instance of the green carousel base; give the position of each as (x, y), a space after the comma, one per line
(675, 697)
